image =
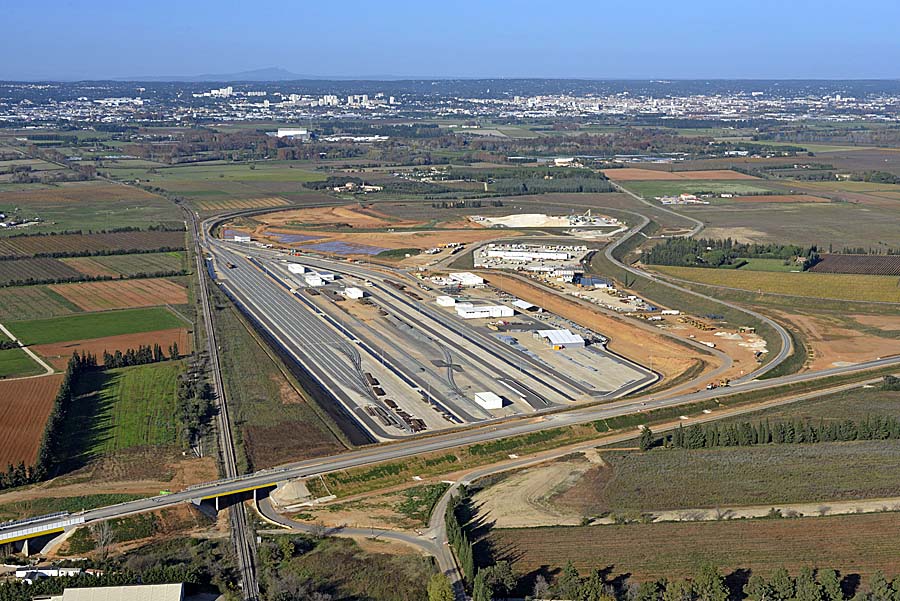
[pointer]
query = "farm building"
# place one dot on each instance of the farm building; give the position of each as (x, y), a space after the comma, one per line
(465, 278)
(489, 400)
(470, 311)
(561, 338)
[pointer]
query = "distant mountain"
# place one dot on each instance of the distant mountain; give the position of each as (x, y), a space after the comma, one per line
(255, 75)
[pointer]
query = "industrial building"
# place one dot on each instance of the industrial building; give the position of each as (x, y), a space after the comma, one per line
(244, 238)
(465, 278)
(293, 132)
(489, 400)
(445, 301)
(560, 339)
(353, 293)
(470, 311)
(296, 268)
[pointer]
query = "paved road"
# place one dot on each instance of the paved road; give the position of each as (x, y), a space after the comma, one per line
(786, 342)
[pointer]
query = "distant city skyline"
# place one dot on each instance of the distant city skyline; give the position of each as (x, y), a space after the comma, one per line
(694, 39)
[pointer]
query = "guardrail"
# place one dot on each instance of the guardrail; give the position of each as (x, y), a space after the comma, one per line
(39, 518)
(28, 532)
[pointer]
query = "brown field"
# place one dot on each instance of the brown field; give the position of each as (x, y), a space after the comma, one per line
(862, 264)
(854, 544)
(24, 246)
(35, 270)
(638, 342)
(780, 198)
(121, 294)
(349, 215)
(23, 413)
(89, 267)
(628, 174)
(58, 353)
(247, 203)
(76, 192)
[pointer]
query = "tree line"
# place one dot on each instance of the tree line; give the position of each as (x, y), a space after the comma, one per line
(458, 536)
(708, 584)
(704, 252)
(32, 281)
(104, 252)
(745, 433)
(143, 355)
(18, 590)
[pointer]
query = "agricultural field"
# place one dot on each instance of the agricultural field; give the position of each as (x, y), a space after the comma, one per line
(91, 205)
(35, 270)
(14, 363)
(855, 544)
(767, 265)
(812, 285)
(676, 479)
(123, 294)
(78, 244)
(87, 326)
(32, 302)
(655, 188)
(856, 404)
(57, 354)
(23, 414)
(128, 265)
(859, 264)
(248, 203)
(123, 409)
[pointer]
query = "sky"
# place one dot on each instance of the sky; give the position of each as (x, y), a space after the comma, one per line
(596, 39)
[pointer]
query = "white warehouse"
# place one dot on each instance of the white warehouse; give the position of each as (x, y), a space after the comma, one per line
(353, 293)
(296, 268)
(465, 278)
(561, 338)
(528, 255)
(489, 400)
(470, 311)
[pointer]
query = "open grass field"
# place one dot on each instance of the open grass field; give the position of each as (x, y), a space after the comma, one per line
(854, 544)
(15, 363)
(57, 354)
(778, 199)
(27, 246)
(655, 188)
(128, 265)
(666, 479)
(123, 294)
(126, 408)
(768, 265)
(276, 424)
(91, 205)
(629, 174)
(854, 404)
(32, 302)
(814, 285)
(23, 414)
(37, 270)
(87, 326)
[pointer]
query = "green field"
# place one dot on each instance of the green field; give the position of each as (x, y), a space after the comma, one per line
(33, 302)
(654, 188)
(768, 265)
(143, 263)
(126, 408)
(731, 476)
(94, 325)
(45, 504)
(814, 285)
(14, 362)
(856, 404)
(275, 171)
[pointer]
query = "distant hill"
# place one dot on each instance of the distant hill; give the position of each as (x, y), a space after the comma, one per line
(255, 75)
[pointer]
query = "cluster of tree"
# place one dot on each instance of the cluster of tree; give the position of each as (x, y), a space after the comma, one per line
(144, 355)
(32, 281)
(496, 580)
(890, 383)
(195, 401)
(702, 252)
(394, 130)
(18, 590)
(457, 534)
(5, 345)
(878, 177)
(464, 204)
(862, 135)
(18, 475)
(390, 186)
(514, 187)
(859, 250)
(59, 254)
(746, 433)
(50, 453)
(522, 173)
(708, 584)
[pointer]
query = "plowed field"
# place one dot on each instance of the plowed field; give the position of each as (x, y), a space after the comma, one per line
(120, 294)
(23, 413)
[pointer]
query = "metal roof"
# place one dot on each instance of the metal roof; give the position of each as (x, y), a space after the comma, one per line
(561, 337)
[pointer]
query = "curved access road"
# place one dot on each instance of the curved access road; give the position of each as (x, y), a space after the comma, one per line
(787, 344)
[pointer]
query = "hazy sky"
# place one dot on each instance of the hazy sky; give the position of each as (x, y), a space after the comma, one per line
(491, 38)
